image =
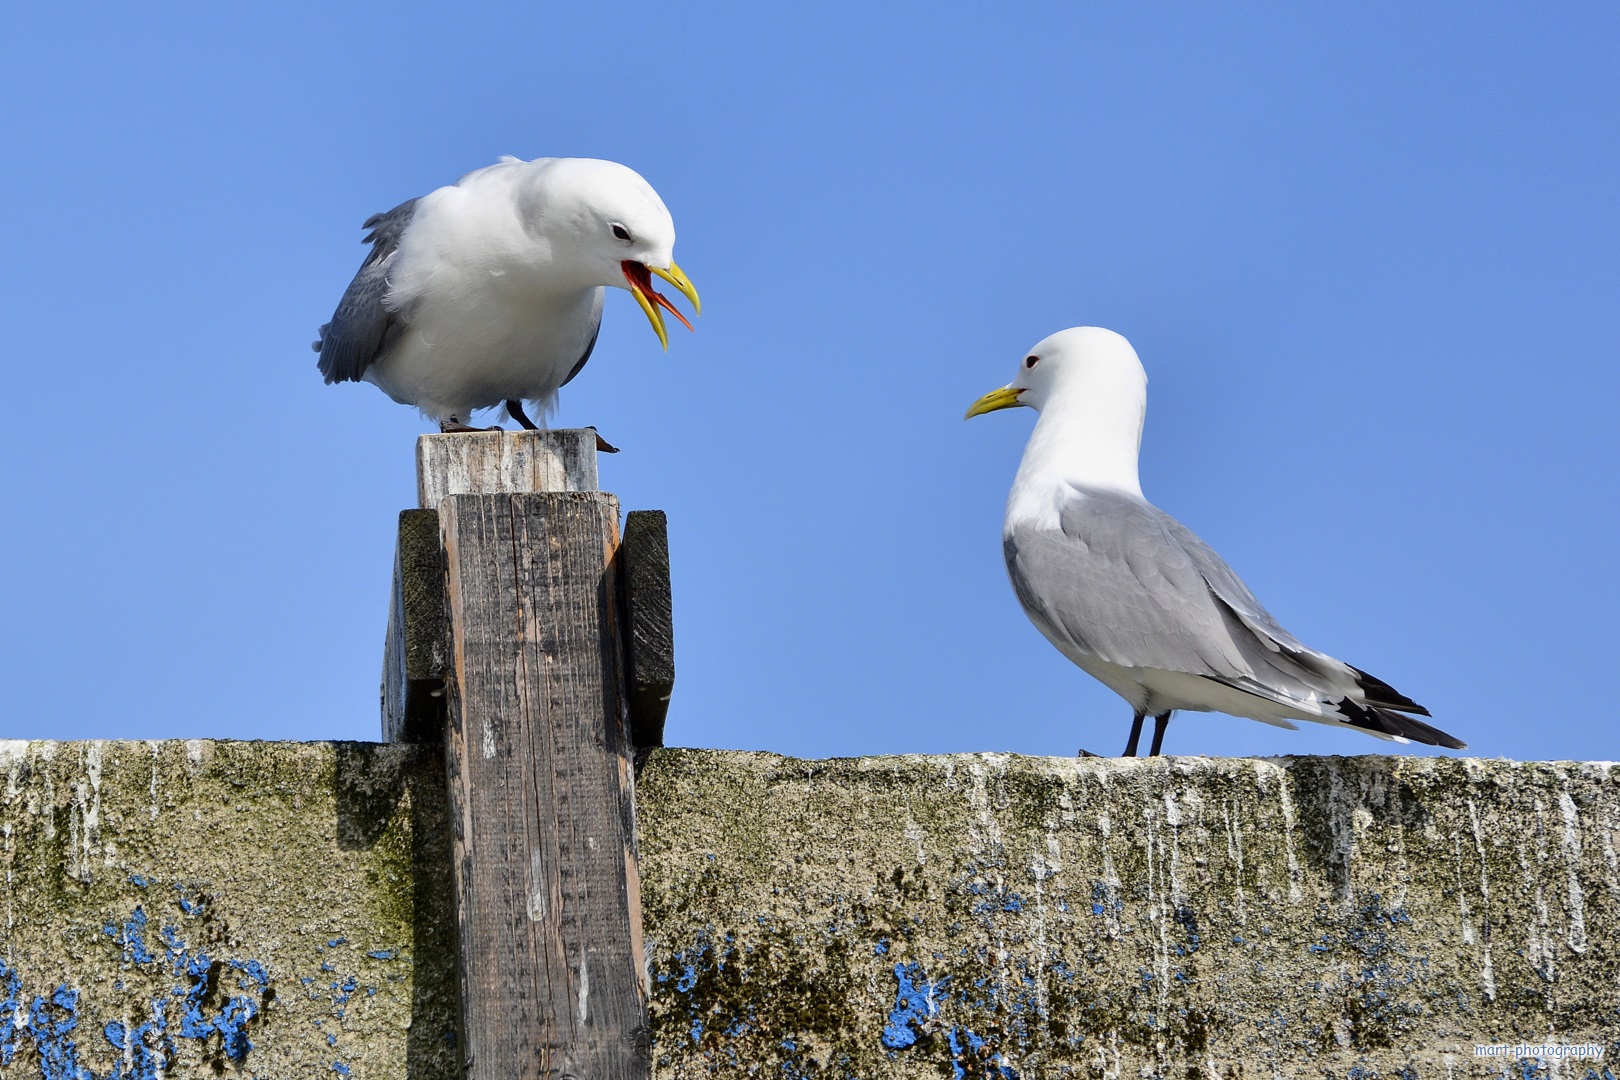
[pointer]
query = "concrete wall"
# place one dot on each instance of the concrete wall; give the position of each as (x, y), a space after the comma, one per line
(200, 909)
(988, 916)
(282, 910)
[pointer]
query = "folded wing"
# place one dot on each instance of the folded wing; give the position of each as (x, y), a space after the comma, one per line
(1126, 582)
(363, 326)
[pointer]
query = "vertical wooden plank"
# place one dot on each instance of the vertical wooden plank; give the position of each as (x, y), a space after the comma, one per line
(417, 652)
(480, 462)
(542, 800)
(649, 634)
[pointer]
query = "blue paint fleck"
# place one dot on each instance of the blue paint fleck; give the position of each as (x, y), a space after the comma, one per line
(963, 1041)
(131, 938)
(383, 954)
(138, 881)
(49, 1023)
(913, 1004)
(340, 1068)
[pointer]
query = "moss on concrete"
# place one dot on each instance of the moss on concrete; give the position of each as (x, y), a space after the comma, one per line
(987, 916)
(224, 908)
(283, 910)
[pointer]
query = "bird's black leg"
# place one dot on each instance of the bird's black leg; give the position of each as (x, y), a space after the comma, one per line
(1160, 722)
(1136, 735)
(514, 409)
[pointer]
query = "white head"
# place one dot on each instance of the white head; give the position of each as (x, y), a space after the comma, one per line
(1091, 392)
(603, 219)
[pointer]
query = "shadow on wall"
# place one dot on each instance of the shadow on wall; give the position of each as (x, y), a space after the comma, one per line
(374, 783)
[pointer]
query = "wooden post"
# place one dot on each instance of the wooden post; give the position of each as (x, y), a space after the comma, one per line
(493, 461)
(541, 792)
(526, 654)
(416, 653)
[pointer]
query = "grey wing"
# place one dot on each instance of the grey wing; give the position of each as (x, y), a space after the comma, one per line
(1113, 580)
(1229, 588)
(363, 327)
(1282, 660)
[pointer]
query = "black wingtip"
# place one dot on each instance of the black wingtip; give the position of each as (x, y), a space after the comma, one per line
(1386, 722)
(1379, 693)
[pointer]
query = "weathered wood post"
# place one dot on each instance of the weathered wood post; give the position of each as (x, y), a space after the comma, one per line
(508, 639)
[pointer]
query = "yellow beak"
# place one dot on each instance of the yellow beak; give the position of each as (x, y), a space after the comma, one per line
(650, 299)
(677, 277)
(1005, 398)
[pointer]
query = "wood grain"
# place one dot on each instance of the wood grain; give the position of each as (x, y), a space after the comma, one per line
(417, 650)
(542, 803)
(483, 462)
(649, 624)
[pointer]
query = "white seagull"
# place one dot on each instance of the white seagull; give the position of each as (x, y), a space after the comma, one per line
(489, 291)
(1127, 592)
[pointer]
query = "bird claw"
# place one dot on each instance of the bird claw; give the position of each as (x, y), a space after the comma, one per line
(446, 427)
(602, 445)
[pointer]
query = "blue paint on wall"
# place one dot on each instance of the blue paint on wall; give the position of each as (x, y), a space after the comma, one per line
(49, 1023)
(914, 1005)
(131, 938)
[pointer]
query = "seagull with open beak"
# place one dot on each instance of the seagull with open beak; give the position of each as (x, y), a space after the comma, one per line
(489, 292)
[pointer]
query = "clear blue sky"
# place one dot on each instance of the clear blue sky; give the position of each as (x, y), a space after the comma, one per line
(1369, 255)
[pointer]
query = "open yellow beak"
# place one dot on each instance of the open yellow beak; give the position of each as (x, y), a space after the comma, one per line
(1005, 398)
(639, 275)
(677, 277)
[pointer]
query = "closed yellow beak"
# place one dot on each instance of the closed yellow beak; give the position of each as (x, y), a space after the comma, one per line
(1005, 398)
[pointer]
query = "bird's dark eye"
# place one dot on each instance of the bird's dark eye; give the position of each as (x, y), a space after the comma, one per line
(1031, 361)
(621, 232)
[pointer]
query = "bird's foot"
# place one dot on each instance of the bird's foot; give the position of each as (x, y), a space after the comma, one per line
(602, 445)
(1086, 753)
(450, 427)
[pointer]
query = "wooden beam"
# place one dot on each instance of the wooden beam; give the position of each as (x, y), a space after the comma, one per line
(476, 462)
(417, 652)
(649, 624)
(551, 956)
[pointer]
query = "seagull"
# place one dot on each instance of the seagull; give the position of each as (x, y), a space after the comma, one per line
(1130, 594)
(488, 291)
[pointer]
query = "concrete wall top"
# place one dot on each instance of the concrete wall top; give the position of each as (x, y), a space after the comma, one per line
(989, 916)
(283, 910)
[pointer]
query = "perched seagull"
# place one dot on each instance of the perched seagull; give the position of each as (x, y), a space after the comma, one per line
(1127, 592)
(489, 291)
